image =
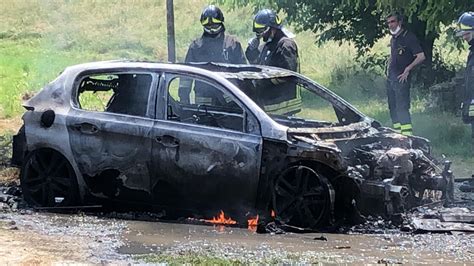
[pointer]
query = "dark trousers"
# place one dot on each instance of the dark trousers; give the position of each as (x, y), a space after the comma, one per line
(472, 136)
(472, 132)
(399, 102)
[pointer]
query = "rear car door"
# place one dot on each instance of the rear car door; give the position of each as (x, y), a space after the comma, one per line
(206, 151)
(109, 131)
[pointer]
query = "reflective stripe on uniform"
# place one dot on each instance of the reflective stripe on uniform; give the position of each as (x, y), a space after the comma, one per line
(203, 100)
(290, 106)
(406, 126)
(284, 107)
(471, 110)
(397, 127)
(406, 129)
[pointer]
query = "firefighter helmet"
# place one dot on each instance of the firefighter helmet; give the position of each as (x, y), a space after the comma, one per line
(212, 20)
(265, 19)
(465, 23)
(212, 15)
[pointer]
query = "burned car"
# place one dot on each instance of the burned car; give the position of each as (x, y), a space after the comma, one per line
(201, 138)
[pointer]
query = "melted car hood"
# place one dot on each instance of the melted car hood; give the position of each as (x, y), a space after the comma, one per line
(336, 132)
(347, 137)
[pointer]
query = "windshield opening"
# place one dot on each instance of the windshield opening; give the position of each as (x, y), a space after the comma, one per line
(294, 102)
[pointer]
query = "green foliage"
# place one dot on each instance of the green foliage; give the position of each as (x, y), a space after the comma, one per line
(363, 21)
(442, 70)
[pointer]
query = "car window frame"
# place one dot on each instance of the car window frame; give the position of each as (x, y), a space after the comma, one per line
(168, 76)
(152, 93)
(340, 105)
(346, 112)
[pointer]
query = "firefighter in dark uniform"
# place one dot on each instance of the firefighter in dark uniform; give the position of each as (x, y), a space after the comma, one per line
(466, 31)
(213, 46)
(279, 50)
(405, 54)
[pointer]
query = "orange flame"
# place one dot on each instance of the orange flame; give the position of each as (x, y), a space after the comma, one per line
(221, 219)
(253, 221)
(273, 214)
(252, 224)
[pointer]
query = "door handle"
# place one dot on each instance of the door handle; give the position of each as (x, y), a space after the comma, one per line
(86, 128)
(167, 141)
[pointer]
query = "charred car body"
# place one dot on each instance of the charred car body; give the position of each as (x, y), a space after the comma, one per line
(118, 131)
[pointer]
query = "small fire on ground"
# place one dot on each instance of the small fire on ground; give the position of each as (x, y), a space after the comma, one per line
(252, 221)
(221, 219)
(252, 224)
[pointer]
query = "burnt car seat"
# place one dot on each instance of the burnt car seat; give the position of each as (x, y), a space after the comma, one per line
(131, 95)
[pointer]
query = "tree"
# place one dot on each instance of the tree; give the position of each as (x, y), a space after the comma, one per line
(363, 21)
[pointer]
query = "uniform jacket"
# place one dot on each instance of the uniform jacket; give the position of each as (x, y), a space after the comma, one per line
(220, 49)
(277, 96)
(280, 52)
(403, 49)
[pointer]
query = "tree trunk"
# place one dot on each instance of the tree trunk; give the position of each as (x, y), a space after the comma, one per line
(425, 76)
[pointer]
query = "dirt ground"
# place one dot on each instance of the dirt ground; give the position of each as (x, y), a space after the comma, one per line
(10, 124)
(35, 238)
(26, 247)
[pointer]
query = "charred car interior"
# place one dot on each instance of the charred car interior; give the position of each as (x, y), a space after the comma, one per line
(196, 139)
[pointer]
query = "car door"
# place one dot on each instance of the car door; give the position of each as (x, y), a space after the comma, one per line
(109, 130)
(206, 150)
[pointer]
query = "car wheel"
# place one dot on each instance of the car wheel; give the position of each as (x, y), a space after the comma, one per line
(48, 180)
(302, 197)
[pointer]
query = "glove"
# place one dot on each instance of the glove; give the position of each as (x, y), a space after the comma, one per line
(254, 43)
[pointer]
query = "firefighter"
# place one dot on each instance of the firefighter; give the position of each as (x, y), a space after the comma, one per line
(405, 54)
(466, 31)
(213, 46)
(278, 50)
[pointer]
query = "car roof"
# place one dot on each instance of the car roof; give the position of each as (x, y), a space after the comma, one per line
(228, 71)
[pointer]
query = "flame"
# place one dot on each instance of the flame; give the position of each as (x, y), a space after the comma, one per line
(252, 224)
(273, 214)
(221, 219)
(253, 221)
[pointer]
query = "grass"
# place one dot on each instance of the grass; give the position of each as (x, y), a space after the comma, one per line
(188, 259)
(38, 39)
(207, 258)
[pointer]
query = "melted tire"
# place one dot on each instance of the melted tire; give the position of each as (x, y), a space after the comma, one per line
(48, 179)
(302, 197)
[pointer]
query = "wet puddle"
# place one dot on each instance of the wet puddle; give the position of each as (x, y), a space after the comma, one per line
(246, 246)
(120, 240)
